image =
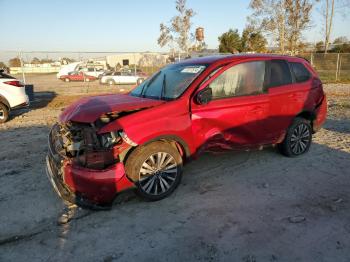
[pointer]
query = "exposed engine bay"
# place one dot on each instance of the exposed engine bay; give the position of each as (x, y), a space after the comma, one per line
(82, 145)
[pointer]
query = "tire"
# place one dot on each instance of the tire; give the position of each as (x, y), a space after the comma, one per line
(4, 113)
(298, 138)
(139, 81)
(111, 82)
(67, 80)
(87, 79)
(152, 183)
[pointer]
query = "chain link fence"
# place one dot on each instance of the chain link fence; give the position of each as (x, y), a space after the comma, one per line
(332, 67)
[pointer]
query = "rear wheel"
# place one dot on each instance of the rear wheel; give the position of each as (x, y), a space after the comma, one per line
(4, 113)
(111, 82)
(298, 138)
(156, 170)
(87, 79)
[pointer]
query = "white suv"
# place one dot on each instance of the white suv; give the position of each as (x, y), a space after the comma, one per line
(12, 95)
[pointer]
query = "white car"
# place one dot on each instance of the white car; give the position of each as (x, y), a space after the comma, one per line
(12, 95)
(92, 71)
(67, 69)
(117, 78)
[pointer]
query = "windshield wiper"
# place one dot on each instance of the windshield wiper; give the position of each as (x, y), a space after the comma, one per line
(163, 88)
(145, 87)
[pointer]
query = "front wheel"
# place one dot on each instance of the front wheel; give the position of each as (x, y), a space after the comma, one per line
(4, 113)
(111, 82)
(298, 138)
(156, 170)
(66, 79)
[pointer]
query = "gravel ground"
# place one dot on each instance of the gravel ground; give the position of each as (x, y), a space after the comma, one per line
(247, 206)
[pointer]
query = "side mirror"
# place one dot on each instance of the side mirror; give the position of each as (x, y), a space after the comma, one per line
(204, 96)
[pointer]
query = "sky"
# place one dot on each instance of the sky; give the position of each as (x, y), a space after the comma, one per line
(119, 25)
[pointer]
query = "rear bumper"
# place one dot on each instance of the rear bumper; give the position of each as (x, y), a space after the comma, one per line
(321, 114)
(23, 105)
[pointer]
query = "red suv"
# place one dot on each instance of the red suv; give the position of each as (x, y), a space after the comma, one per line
(105, 144)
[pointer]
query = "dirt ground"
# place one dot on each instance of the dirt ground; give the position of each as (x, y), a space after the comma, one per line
(246, 206)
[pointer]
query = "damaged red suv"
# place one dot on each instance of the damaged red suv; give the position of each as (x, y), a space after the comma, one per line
(105, 144)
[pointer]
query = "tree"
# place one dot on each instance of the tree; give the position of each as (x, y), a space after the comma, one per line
(340, 40)
(253, 41)
(319, 46)
(179, 29)
(15, 62)
(328, 10)
(283, 20)
(35, 61)
(298, 14)
(342, 48)
(46, 60)
(341, 45)
(230, 42)
(2, 65)
(66, 60)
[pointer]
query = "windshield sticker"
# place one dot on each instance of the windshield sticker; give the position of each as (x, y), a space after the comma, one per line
(192, 69)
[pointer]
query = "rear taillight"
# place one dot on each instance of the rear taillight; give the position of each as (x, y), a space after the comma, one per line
(14, 83)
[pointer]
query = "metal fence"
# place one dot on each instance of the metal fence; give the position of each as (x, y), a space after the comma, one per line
(331, 67)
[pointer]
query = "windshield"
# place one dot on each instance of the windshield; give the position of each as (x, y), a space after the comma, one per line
(169, 83)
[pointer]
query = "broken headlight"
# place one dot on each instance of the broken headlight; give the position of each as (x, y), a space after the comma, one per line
(109, 140)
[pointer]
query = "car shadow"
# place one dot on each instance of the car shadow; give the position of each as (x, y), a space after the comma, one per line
(41, 100)
(337, 125)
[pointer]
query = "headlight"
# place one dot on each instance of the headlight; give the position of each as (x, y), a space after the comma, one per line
(127, 139)
(108, 140)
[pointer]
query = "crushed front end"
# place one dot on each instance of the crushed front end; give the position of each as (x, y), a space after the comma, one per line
(84, 167)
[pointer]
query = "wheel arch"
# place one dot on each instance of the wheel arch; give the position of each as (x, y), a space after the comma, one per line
(308, 115)
(4, 101)
(186, 153)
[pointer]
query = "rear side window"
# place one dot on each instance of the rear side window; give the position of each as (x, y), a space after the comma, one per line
(300, 72)
(279, 73)
(240, 80)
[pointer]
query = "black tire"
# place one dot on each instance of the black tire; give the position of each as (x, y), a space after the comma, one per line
(149, 182)
(298, 138)
(139, 81)
(4, 113)
(110, 82)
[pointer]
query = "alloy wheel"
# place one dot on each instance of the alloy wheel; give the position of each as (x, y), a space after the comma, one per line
(300, 139)
(2, 114)
(158, 173)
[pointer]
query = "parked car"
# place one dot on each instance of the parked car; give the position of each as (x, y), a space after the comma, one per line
(66, 69)
(119, 78)
(92, 71)
(77, 76)
(12, 95)
(105, 144)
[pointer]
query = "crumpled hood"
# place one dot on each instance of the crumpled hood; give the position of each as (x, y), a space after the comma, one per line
(88, 110)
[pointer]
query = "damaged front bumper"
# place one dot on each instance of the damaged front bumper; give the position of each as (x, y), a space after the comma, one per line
(84, 186)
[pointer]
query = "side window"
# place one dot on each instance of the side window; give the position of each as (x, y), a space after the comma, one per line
(279, 73)
(300, 72)
(240, 80)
